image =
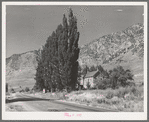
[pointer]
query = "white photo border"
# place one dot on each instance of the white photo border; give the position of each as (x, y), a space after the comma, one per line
(85, 115)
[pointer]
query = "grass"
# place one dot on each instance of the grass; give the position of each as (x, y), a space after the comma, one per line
(123, 99)
(128, 99)
(16, 83)
(14, 108)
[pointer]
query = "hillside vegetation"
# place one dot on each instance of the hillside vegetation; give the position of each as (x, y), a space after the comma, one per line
(106, 48)
(20, 69)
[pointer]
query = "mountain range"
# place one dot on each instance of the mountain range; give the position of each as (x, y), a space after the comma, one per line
(125, 48)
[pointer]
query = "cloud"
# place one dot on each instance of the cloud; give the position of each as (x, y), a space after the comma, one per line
(119, 10)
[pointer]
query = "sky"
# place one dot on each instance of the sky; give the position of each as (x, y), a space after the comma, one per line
(28, 27)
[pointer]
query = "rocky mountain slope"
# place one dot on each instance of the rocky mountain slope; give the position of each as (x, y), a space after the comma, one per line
(124, 48)
(108, 47)
(21, 69)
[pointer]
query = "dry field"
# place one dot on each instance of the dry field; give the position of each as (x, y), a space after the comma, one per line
(129, 99)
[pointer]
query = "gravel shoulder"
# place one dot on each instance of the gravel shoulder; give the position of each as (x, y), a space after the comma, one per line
(19, 107)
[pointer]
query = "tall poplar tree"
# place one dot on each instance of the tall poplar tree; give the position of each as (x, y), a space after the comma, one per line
(70, 39)
(58, 66)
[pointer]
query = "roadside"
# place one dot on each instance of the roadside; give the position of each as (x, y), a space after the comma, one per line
(36, 104)
(19, 107)
(128, 99)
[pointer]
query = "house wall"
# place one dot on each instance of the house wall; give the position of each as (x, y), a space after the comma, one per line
(81, 81)
(90, 79)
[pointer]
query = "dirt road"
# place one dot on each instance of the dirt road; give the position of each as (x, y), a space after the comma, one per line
(30, 103)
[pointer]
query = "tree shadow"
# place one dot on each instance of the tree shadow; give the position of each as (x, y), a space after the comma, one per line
(27, 99)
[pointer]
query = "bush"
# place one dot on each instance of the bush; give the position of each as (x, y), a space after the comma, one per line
(7, 101)
(135, 92)
(21, 90)
(12, 90)
(109, 95)
(120, 77)
(6, 87)
(27, 89)
(31, 91)
(107, 101)
(101, 100)
(121, 92)
(130, 84)
(115, 100)
(122, 81)
(83, 88)
(92, 88)
(129, 97)
(102, 84)
(61, 95)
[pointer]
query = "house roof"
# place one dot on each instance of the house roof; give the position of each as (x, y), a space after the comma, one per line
(91, 74)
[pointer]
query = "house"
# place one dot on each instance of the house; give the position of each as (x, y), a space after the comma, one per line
(81, 81)
(91, 76)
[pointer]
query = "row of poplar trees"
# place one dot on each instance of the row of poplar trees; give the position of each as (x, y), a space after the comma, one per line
(57, 65)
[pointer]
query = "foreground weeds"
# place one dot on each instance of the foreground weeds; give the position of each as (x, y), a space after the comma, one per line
(14, 108)
(123, 99)
(128, 99)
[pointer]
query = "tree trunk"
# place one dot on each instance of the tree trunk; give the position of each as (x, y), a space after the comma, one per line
(51, 90)
(79, 88)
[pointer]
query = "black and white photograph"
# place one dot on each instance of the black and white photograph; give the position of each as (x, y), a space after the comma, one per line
(74, 60)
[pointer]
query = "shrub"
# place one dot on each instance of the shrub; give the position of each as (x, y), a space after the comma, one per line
(27, 89)
(62, 95)
(102, 84)
(107, 101)
(36, 90)
(31, 91)
(107, 83)
(129, 97)
(69, 89)
(121, 92)
(109, 95)
(130, 84)
(122, 81)
(119, 77)
(12, 90)
(135, 92)
(92, 88)
(115, 100)
(79, 92)
(21, 90)
(83, 88)
(101, 100)
(7, 101)
(6, 87)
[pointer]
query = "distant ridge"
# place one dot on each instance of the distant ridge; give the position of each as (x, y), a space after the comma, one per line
(106, 48)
